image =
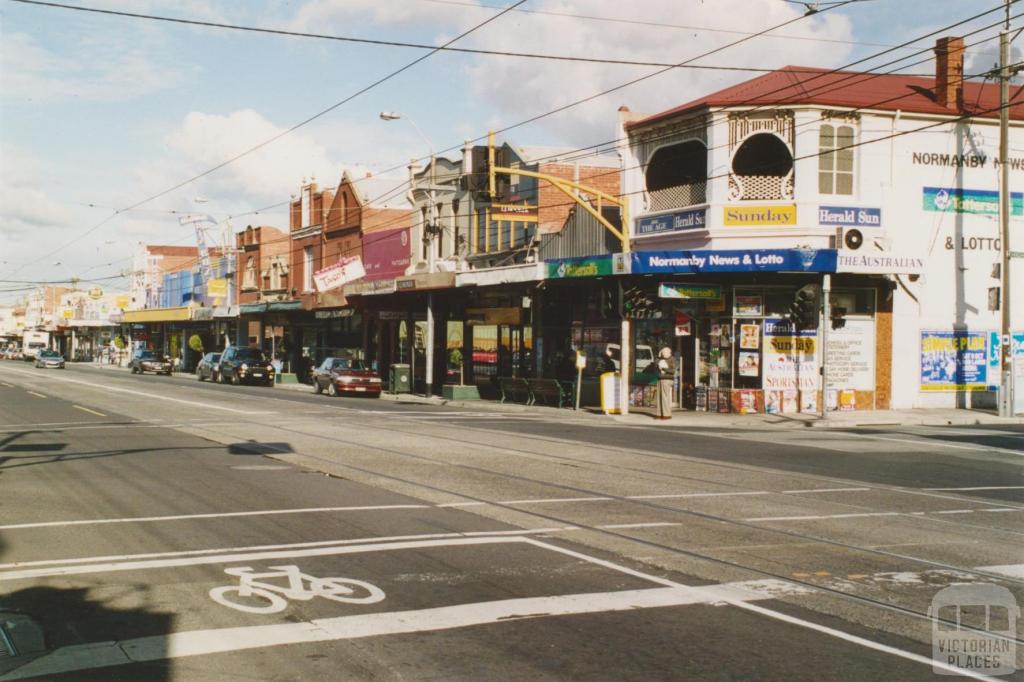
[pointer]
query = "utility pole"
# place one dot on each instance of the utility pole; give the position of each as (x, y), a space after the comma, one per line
(826, 322)
(1006, 342)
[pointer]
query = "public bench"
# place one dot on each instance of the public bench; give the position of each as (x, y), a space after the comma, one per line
(514, 389)
(550, 392)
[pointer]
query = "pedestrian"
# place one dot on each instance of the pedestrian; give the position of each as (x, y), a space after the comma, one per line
(666, 378)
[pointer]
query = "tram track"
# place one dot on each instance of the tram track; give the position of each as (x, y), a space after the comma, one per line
(370, 421)
(617, 534)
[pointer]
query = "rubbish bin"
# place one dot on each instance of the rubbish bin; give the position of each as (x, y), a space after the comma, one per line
(399, 380)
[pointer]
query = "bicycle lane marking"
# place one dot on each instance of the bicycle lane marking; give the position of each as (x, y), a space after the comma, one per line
(661, 593)
(619, 588)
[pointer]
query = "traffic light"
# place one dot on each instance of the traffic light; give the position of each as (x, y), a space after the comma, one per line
(610, 303)
(803, 312)
(638, 305)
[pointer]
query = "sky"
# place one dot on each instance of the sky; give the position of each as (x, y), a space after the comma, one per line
(100, 112)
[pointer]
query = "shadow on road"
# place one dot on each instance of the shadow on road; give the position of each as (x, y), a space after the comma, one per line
(251, 447)
(37, 621)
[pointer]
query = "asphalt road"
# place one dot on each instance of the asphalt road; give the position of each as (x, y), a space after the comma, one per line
(412, 541)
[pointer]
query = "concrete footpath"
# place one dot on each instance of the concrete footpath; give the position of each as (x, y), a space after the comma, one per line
(684, 418)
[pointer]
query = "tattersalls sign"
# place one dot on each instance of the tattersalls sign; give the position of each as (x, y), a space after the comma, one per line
(961, 200)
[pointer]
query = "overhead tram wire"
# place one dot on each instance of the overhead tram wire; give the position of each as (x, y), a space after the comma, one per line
(308, 120)
(562, 108)
(862, 143)
(505, 129)
(401, 186)
(653, 24)
(867, 76)
(388, 77)
(391, 43)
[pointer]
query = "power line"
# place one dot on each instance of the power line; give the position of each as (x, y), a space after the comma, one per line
(854, 145)
(529, 120)
(290, 130)
(393, 43)
(654, 24)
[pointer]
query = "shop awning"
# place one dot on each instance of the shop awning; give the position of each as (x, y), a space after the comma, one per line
(528, 272)
(179, 314)
(269, 307)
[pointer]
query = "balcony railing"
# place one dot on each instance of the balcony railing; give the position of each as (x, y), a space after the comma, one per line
(677, 196)
(760, 187)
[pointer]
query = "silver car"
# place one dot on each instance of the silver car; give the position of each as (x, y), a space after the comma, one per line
(49, 358)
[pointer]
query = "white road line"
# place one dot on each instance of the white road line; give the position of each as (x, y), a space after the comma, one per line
(266, 548)
(1010, 570)
(659, 524)
(203, 642)
(683, 495)
(884, 648)
(978, 448)
(36, 394)
(212, 515)
(116, 566)
(825, 517)
(552, 500)
(981, 487)
(86, 409)
(825, 490)
(155, 396)
(774, 614)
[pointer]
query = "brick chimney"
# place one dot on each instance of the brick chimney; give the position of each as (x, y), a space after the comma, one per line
(949, 72)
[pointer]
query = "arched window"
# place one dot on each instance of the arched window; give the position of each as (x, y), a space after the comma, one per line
(676, 176)
(835, 163)
(762, 169)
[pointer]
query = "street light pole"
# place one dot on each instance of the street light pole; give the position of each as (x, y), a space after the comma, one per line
(428, 238)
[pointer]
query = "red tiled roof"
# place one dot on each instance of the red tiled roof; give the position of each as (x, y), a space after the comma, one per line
(806, 85)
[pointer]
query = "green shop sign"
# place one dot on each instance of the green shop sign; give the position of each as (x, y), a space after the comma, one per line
(590, 266)
(704, 292)
(977, 201)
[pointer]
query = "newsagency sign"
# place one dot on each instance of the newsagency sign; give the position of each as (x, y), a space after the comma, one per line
(681, 221)
(849, 216)
(879, 263)
(743, 260)
(977, 201)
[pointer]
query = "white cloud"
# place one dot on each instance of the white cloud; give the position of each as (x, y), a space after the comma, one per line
(27, 210)
(355, 15)
(110, 72)
(523, 87)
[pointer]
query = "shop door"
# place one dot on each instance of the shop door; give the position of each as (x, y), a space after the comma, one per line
(687, 348)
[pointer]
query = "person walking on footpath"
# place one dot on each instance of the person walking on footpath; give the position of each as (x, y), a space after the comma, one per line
(666, 378)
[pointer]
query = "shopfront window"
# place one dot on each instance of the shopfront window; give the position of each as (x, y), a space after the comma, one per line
(453, 352)
(485, 352)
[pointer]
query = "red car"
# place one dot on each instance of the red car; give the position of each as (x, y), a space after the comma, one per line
(345, 375)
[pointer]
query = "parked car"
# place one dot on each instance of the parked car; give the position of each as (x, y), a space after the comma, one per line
(249, 365)
(147, 361)
(49, 358)
(345, 375)
(208, 367)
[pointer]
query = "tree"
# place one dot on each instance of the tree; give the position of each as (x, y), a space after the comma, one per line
(195, 343)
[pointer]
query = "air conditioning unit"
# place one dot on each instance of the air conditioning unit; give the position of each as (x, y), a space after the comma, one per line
(848, 238)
